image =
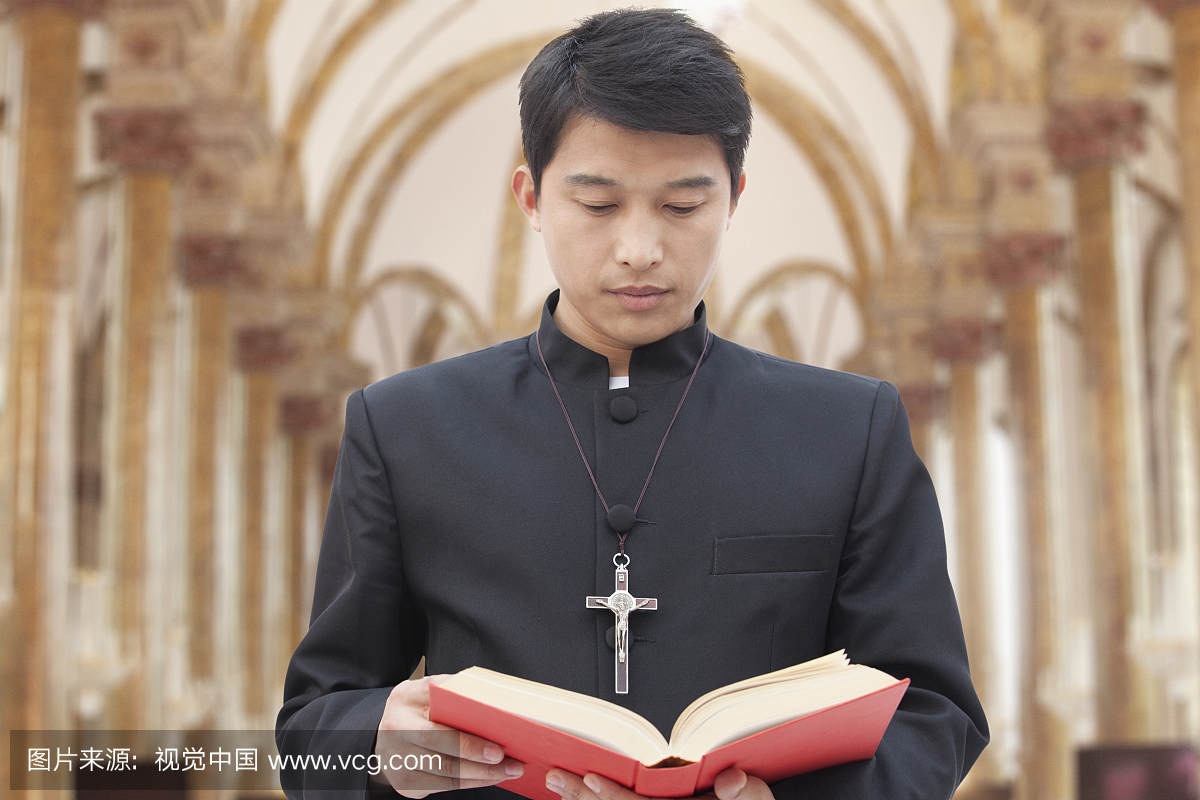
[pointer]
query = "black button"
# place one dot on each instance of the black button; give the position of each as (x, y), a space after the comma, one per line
(620, 518)
(610, 638)
(623, 408)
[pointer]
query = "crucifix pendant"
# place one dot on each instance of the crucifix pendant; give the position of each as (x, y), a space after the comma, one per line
(621, 603)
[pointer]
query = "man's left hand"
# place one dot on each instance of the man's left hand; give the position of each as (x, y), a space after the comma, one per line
(732, 784)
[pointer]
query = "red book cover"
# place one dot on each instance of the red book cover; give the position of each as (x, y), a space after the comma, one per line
(846, 732)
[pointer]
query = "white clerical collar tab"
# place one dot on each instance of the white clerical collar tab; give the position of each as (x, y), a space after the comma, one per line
(619, 383)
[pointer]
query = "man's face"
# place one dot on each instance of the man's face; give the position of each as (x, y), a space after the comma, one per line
(633, 224)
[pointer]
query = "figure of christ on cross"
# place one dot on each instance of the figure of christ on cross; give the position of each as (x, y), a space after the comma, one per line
(621, 602)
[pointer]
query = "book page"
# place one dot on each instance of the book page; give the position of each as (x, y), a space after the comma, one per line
(834, 661)
(589, 718)
(744, 713)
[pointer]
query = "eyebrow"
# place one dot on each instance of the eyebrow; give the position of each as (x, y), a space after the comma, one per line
(694, 182)
(583, 179)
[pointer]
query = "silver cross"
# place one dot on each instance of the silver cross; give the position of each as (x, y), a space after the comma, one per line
(621, 602)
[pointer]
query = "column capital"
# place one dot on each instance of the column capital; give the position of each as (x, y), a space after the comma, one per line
(899, 350)
(1018, 260)
(264, 348)
(1095, 131)
(982, 128)
(1090, 30)
(924, 401)
(215, 261)
(306, 413)
(318, 371)
(145, 138)
(964, 339)
(312, 317)
(1168, 7)
(1088, 57)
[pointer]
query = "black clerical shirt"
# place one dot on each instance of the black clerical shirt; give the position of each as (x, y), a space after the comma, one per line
(788, 517)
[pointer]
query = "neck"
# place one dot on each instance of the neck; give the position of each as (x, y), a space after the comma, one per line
(571, 323)
(618, 363)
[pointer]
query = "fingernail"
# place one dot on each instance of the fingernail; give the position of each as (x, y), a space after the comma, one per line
(555, 784)
(515, 769)
(493, 753)
(592, 782)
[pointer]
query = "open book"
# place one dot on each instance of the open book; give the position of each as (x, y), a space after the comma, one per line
(809, 716)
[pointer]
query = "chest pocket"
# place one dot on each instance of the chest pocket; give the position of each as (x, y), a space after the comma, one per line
(741, 555)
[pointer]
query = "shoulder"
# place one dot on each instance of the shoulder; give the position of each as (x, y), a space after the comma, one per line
(467, 374)
(787, 395)
(758, 372)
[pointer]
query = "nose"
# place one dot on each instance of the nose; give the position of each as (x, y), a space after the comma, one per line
(639, 243)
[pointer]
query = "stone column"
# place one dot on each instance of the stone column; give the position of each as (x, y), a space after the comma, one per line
(150, 146)
(304, 417)
(1023, 252)
(145, 132)
(45, 210)
(964, 343)
(1094, 125)
(1120, 717)
(961, 335)
(262, 350)
(1019, 265)
(312, 391)
(899, 351)
(1184, 16)
(210, 266)
(230, 134)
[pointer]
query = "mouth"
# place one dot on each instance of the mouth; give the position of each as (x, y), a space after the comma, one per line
(639, 291)
(639, 298)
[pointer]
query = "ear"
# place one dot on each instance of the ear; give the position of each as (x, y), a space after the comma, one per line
(733, 202)
(522, 186)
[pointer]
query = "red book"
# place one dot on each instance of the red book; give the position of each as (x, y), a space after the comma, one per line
(785, 723)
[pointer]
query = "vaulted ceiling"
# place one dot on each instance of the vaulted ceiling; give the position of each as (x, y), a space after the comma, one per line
(401, 118)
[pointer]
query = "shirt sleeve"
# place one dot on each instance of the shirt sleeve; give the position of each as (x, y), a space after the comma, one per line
(894, 609)
(365, 635)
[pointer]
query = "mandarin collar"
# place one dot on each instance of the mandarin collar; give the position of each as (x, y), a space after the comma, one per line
(668, 359)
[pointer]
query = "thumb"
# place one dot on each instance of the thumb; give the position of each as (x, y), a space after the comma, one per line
(730, 783)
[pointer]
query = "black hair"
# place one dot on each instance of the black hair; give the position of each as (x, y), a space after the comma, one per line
(642, 69)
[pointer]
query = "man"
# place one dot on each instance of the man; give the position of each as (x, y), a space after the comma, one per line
(773, 511)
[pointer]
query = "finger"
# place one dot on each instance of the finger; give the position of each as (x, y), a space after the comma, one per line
(416, 693)
(401, 733)
(418, 760)
(729, 784)
(444, 739)
(735, 784)
(568, 786)
(420, 786)
(440, 773)
(474, 748)
(589, 787)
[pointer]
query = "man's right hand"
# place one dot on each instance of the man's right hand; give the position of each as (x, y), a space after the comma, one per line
(462, 762)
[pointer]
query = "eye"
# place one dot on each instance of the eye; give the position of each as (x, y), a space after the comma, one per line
(598, 209)
(682, 211)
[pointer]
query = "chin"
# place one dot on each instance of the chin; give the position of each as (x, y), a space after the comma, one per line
(643, 332)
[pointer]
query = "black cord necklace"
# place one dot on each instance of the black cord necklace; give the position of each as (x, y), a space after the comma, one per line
(622, 518)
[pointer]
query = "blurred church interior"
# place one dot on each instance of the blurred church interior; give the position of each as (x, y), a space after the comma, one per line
(219, 217)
